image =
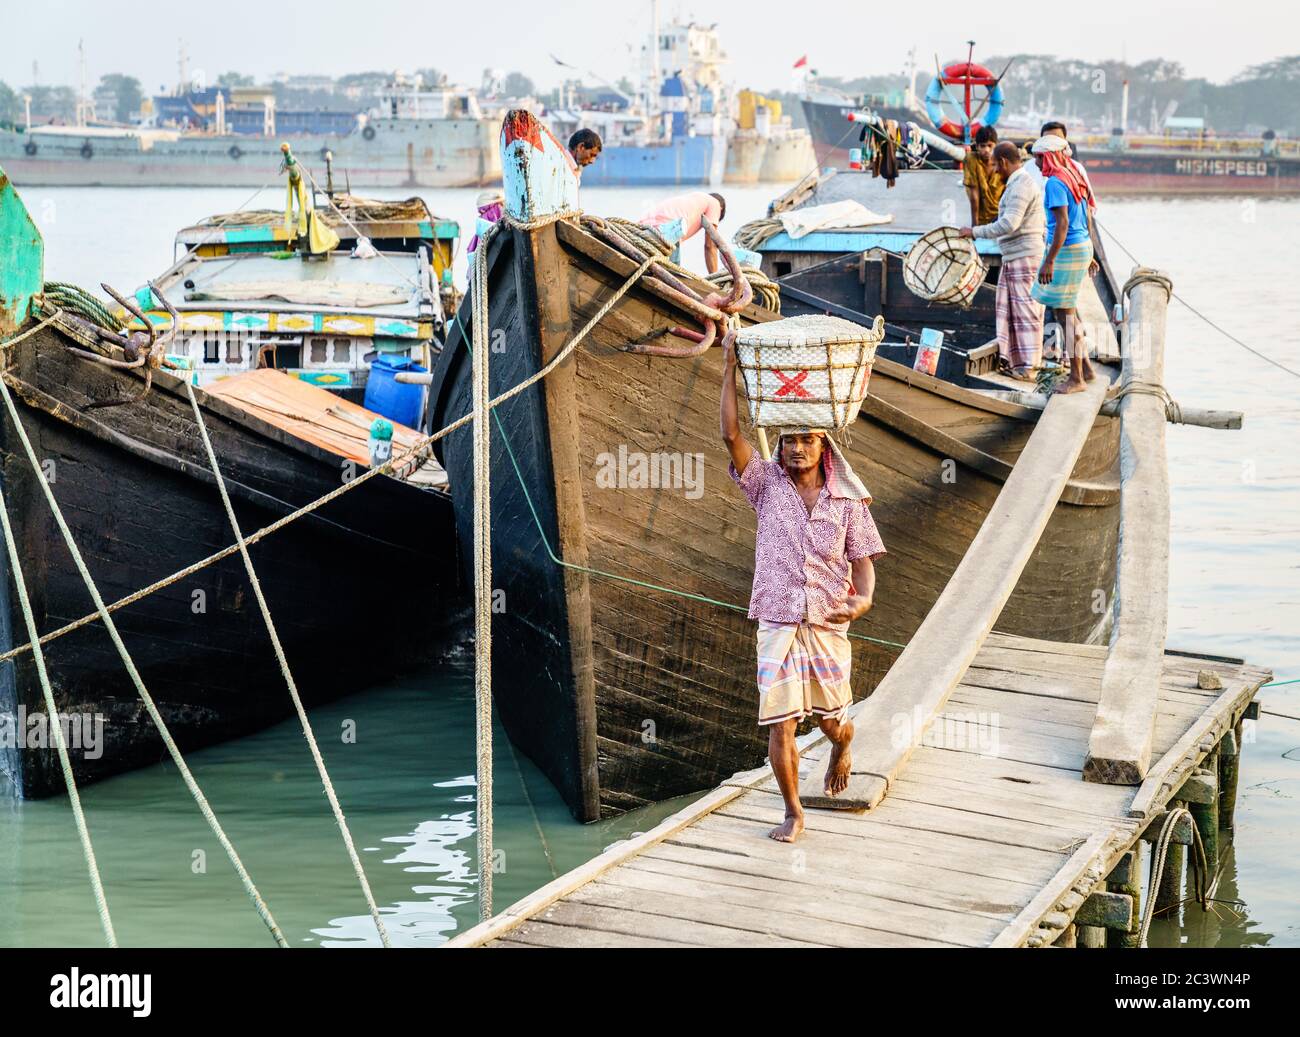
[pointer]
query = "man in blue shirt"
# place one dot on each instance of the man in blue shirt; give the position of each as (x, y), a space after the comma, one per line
(1068, 260)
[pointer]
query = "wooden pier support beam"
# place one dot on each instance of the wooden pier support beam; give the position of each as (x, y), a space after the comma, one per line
(1229, 760)
(1106, 910)
(1119, 749)
(1093, 936)
(1169, 893)
(1126, 878)
(1206, 811)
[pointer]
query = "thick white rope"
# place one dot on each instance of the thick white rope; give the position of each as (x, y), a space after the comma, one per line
(102, 610)
(1159, 852)
(482, 577)
(52, 718)
(330, 794)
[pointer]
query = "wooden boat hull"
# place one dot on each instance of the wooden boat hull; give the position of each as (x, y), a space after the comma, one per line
(625, 694)
(344, 584)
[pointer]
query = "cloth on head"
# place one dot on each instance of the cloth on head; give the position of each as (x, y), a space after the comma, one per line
(1059, 164)
(1049, 143)
(841, 479)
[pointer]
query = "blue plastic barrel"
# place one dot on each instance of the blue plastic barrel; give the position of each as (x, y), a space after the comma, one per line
(395, 400)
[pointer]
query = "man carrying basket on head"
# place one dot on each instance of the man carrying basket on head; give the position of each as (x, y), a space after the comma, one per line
(813, 575)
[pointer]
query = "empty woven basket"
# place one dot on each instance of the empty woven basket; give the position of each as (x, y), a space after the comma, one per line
(808, 371)
(944, 267)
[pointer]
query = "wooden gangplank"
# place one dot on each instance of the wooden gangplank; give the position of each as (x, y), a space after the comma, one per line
(988, 837)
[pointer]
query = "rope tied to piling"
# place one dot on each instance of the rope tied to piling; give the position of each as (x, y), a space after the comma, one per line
(1149, 275)
(1138, 387)
(1200, 867)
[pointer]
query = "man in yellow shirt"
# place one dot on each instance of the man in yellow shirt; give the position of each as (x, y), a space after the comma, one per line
(982, 181)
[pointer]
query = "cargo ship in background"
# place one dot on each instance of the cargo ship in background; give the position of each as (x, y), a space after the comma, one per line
(686, 127)
(1183, 158)
(416, 136)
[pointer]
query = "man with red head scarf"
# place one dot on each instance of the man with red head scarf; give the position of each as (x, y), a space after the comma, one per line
(1068, 260)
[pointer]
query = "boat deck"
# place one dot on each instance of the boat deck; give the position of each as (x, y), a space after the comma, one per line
(988, 837)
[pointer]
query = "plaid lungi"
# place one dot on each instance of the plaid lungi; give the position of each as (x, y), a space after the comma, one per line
(803, 670)
(1068, 272)
(1019, 316)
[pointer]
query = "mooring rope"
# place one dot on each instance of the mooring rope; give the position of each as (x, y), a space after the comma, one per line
(52, 718)
(1159, 852)
(479, 361)
(292, 685)
(1221, 330)
(127, 661)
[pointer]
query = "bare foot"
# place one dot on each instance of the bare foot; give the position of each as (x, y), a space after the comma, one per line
(1072, 384)
(789, 830)
(841, 762)
(1088, 373)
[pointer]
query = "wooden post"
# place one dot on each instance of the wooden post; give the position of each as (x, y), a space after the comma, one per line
(1170, 891)
(1069, 937)
(1092, 936)
(1126, 878)
(1119, 748)
(1229, 762)
(1206, 814)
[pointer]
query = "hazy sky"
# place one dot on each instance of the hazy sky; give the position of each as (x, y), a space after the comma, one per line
(762, 37)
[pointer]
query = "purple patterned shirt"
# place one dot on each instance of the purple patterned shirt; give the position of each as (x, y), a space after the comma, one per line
(802, 562)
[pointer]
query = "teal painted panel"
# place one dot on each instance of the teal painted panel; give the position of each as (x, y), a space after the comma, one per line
(396, 328)
(326, 379)
(238, 234)
(857, 241)
(22, 259)
(246, 321)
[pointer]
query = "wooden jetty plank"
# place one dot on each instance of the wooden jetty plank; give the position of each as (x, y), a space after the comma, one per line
(947, 641)
(633, 925)
(769, 921)
(536, 933)
(925, 886)
(1119, 750)
(878, 852)
(880, 917)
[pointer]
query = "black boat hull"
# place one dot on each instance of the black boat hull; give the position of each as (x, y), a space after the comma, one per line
(344, 584)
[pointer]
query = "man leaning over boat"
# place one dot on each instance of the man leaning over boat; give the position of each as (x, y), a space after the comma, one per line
(1020, 230)
(813, 575)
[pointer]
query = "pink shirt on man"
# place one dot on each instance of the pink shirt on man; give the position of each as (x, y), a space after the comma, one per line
(690, 208)
(802, 562)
